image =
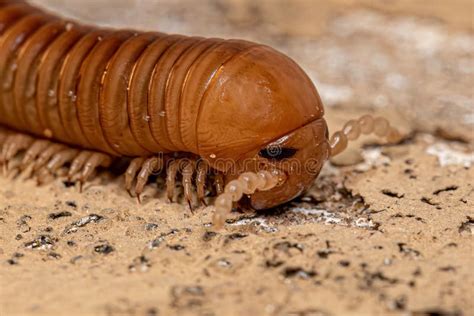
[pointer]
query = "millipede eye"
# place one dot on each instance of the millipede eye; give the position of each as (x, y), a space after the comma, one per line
(277, 153)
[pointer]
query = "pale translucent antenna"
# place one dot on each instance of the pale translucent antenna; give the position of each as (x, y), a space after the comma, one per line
(367, 124)
(247, 183)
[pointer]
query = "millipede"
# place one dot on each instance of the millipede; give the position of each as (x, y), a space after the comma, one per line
(233, 118)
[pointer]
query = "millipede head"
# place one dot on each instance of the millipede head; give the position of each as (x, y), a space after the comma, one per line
(296, 158)
(263, 113)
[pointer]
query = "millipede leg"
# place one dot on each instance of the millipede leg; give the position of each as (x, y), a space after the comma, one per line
(32, 153)
(364, 125)
(61, 158)
(13, 145)
(94, 161)
(201, 177)
(131, 173)
(219, 182)
(78, 163)
(171, 173)
(46, 155)
(188, 171)
(151, 165)
(6, 144)
(39, 167)
(58, 160)
(3, 137)
(13, 169)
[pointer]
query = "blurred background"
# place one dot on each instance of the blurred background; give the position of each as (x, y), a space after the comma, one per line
(409, 59)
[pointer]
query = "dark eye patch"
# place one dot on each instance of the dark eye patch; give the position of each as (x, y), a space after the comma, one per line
(277, 153)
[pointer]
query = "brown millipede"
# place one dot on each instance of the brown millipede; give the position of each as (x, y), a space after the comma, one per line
(80, 96)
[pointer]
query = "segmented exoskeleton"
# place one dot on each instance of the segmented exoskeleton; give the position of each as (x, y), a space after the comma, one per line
(82, 96)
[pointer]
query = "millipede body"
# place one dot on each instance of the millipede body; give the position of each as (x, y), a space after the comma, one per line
(81, 96)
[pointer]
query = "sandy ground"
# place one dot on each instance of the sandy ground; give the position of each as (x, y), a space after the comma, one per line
(384, 230)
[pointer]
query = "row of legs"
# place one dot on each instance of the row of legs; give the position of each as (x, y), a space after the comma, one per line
(21, 153)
